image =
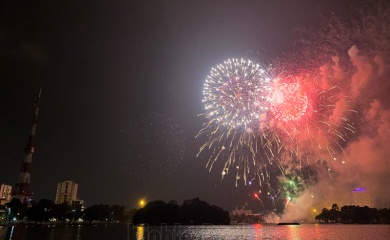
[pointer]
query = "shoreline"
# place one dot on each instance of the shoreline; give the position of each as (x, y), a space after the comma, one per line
(56, 224)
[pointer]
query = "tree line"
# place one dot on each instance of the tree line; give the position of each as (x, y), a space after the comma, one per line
(354, 214)
(47, 211)
(191, 212)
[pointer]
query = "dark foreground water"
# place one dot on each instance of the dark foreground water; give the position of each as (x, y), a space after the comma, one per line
(238, 232)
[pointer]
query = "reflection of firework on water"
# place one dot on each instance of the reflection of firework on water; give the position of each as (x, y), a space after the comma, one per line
(235, 92)
(151, 147)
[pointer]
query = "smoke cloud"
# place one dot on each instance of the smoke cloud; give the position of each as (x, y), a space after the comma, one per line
(363, 72)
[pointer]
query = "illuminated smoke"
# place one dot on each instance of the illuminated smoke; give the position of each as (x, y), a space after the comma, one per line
(354, 53)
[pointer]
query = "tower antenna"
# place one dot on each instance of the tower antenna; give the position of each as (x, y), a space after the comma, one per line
(22, 189)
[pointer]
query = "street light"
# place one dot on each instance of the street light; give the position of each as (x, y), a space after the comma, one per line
(141, 203)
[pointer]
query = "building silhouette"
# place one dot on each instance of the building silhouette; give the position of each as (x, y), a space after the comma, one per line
(242, 215)
(242, 211)
(66, 192)
(22, 189)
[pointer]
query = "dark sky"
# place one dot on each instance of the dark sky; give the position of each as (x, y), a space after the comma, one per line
(104, 64)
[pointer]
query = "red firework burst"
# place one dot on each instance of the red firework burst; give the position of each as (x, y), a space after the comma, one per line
(288, 102)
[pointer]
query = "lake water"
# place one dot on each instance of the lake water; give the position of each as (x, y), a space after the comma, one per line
(205, 232)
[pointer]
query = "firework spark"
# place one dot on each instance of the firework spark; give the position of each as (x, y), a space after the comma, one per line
(288, 103)
(235, 92)
(236, 98)
(151, 148)
(255, 132)
(258, 198)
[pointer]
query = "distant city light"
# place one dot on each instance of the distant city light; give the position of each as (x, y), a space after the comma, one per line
(359, 189)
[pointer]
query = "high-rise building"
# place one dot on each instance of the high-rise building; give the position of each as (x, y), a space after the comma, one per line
(362, 197)
(66, 192)
(22, 189)
(5, 193)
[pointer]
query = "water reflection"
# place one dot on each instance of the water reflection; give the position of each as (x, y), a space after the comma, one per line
(145, 232)
(6, 233)
(78, 232)
(257, 228)
(293, 232)
(204, 232)
(140, 233)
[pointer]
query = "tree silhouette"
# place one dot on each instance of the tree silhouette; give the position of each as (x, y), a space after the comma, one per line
(192, 212)
(353, 214)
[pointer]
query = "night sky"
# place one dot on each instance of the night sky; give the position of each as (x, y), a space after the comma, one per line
(106, 67)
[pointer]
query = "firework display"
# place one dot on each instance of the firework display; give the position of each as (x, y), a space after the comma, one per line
(295, 123)
(151, 147)
(321, 109)
(315, 130)
(236, 98)
(288, 103)
(259, 125)
(235, 92)
(235, 151)
(294, 181)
